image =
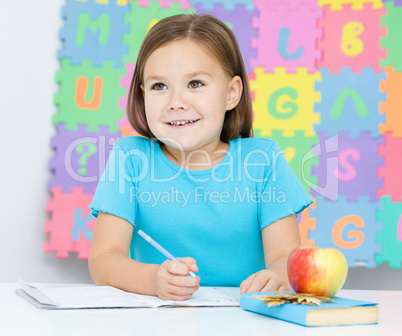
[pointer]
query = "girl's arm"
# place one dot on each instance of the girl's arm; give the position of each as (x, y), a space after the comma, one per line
(110, 265)
(279, 239)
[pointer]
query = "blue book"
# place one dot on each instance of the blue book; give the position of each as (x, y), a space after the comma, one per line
(340, 312)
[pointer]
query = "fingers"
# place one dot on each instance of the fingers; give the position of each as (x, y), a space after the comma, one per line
(173, 282)
(178, 293)
(245, 285)
(190, 262)
(260, 282)
(263, 281)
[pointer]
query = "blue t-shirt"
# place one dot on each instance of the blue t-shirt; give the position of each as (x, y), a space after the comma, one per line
(214, 215)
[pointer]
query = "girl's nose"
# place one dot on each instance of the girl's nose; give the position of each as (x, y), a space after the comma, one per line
(177, 101)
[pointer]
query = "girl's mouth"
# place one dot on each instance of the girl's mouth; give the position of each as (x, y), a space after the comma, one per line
(182, 122)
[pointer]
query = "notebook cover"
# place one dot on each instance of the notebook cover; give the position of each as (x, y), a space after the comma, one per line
(295, 313)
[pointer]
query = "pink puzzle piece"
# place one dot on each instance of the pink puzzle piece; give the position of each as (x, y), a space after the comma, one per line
(125, 81)
(71, 227)
(351, 38)
(391, 172)
(287, 37)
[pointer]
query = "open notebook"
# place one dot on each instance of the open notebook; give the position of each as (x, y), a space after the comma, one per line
(86, 297)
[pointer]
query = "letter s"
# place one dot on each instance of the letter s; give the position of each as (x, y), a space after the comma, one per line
(350, 173)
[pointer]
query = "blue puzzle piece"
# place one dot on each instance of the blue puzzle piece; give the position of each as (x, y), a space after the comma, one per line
(94, 31)
(348, 226)
(350, 101)
(227, 4)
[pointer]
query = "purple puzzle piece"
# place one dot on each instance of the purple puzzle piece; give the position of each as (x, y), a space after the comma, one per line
(241, 20)
(357, 172)
(397, 3)
(80, 157)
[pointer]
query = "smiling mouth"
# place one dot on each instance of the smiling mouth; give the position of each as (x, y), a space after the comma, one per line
(182, 122)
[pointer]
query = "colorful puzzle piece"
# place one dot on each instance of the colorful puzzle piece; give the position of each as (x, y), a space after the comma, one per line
(228, 5)
(337, 5)
(296, 151)
(351, 38)
(391, 235)
(391, 172)
(239, 20)
(393, 40)
(350, 101)
(286, 37)
(88, 95)
(328, 148)
(348, 226)
(93, 31)
(141, 19)
(125, 82)
(307, 223)
(392, 106)
(397, 3)
(80, 157)
(71, 227)
(284, 101)
(358, 162)
(185, 4)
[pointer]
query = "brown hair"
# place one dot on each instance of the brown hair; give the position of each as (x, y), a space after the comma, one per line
(215, 37)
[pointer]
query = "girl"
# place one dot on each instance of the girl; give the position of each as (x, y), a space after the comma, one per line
(196, 182)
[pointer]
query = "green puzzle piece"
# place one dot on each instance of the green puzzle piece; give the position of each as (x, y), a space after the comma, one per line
(391, 235)
(295, 149)
(393, 42)
(140, 20)
(106, 81)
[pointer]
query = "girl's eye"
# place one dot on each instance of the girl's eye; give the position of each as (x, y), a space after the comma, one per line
(195, 84)
(158, 86)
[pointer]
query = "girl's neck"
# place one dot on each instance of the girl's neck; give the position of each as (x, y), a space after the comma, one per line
(197, 159)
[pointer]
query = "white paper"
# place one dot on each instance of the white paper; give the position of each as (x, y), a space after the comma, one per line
(77, 297)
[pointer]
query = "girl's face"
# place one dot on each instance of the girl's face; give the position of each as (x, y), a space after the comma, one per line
(186, 94)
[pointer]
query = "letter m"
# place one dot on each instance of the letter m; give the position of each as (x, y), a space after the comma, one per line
(101, 24)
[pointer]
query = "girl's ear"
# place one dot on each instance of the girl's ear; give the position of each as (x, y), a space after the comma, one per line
(143, 90)
(235, 89)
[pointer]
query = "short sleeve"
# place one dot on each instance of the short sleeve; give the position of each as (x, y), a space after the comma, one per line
(282, 193)
(115, 188)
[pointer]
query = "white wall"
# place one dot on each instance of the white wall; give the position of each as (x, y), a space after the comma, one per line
(28, 46)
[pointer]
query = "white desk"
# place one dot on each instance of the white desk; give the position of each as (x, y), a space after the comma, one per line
(18, 317)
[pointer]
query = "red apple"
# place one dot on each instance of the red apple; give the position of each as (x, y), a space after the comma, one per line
(319, 271)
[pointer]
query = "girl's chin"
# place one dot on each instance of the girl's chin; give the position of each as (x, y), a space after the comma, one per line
(182, 143)
(176, 145)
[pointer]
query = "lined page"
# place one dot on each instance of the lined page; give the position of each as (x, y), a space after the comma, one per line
(76, 297)
(205, 297)
(96, 297)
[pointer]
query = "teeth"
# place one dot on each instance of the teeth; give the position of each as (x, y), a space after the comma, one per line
(181, 122)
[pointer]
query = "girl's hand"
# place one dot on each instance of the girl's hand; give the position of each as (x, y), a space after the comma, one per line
(265, 280)
(173, 281)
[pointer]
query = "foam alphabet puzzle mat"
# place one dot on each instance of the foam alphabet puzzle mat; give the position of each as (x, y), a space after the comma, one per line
(325, 77)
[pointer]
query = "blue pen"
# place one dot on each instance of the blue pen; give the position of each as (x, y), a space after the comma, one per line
(166, 253)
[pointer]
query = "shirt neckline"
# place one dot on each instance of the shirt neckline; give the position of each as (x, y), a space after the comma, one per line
(196, 172)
